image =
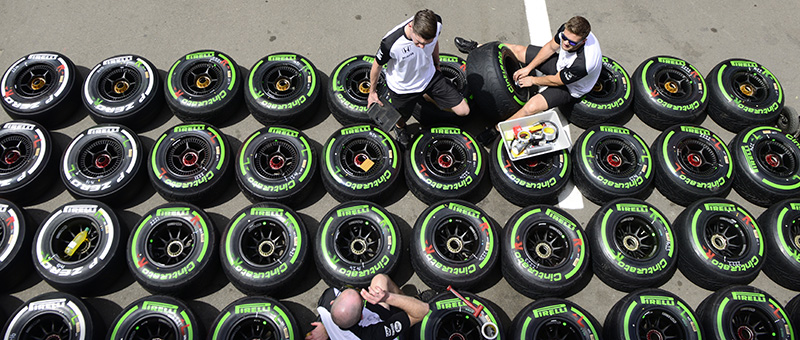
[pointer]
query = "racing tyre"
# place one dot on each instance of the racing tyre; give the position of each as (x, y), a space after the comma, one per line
(43, 87)
(255, 318)
(52, 315)
(609, 100)
(77, 247)
(204, 86)
(451, 318)
(444, 163)
(173, 249)
(277, 164)
(767, 165)
(190, 163)
(544, 253)
(454, 243)
(283, 88)
(668, 91)
(490, 75)
(361, 162)
(156, 317)
(15, 240)
(781, 226)
(611, 162)
(742, 93)
(125, 90)
(633, 245)
(104, 163)
(454, 69)
(554, 319)
(743, 312)
(356, 241)
(691, 163)
(264, 248)
(534, 180)
(651, 314)
(349, 90)
(27, 167)
(793, 309)
(789, 121)
(720, 245)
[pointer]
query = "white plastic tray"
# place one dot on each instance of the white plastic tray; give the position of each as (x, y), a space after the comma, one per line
(561, 142)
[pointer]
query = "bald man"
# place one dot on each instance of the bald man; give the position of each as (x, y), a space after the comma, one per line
(378, 312)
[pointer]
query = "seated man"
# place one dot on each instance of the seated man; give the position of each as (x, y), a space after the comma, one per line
(571, 62)
(386, 313)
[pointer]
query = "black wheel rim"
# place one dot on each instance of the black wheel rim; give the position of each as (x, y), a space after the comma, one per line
(535, 167)
(749, 323)
(36, 80)
(660, 325)
(556, 329)
(254, 328)
(67, 231)
(616, 157)
(446, 157)
(357, 83)
(456, 240)
(605, 86)
(636, 238)
(119, 84)
(170, 243)
(776, 158)
(282, 82)
(458, 326)
(749, 87)
(725, 238)
(15, 150)
(188, 156)
(100, 158)
(202, 78)
(697, 156)
(153, 328)
(275, 159)
(47, 326)
(511, 65)
(455, 77)
(358, 241)
(361, 157)
(546, 245)
(673, 83)
(264, 243)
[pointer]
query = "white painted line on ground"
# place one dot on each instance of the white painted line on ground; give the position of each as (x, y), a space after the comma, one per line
(540, 34)
(538, 22)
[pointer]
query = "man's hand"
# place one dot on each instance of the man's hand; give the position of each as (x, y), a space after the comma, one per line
(373, 98)
(374, 295)
(522, 73)
(526, 81)
(318, 333)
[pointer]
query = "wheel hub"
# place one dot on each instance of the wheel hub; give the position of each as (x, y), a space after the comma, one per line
(189, 158)
(445, 161)
(37, 83)
(203, 81)
(671, 86)
(654, 335)
(598, 87)
(121, 86)
(614, 160)
(719, 242)
(455, 245)
(772, 160)
(631, 243)
(694, 159)
(283, 84)
(544, 250)
(102, 161)
(457, 336)
(745, 333)
(797, 241)
(266, 248)
(360, 159)
(364, 86)
(174, 248)
(276, 162)
(11, 156)
(358, 246)
(747, 89)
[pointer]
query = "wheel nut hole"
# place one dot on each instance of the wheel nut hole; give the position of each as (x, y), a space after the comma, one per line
(772, 160)
(654, 335)
(283, 84)
(745, 333)
(11, 156)
(266, 248)
(37, 83)
(102, 161)
(747, 89)
(455, 245)
(360, 159)
(614, 160)
(276, 162)
(121, 86)
(797, 241)
(203, 82)
(457, 336)
(358, 246)
(174, 248)
(631, 243)
(53, 337)
(719, 242)
(544, 250)
(445, 161)
(597, 87)
(189, 158)
(694, 159)
(363, 87)
(671, 87)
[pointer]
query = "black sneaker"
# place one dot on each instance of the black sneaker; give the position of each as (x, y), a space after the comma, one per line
(465, 45)
(402, 136)
(487, 136)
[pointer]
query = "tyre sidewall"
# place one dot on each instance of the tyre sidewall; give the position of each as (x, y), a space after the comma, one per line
(621, 320)
(27, 176)
(156, 306)
(733, 112)
(65, 305)
(280, 318)
(122, 111)
(203, 107)
(267, 109)
(346, 108)
(716, 311)
(446, 303)
(765, 187)
(522, 189)
(34, 108)
(593, 110)
(660, 111)
(549, 310)
(783, 258)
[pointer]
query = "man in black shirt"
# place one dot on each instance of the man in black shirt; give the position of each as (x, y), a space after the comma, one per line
(379, 312)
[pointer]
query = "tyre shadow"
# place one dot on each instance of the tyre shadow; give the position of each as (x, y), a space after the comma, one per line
(163, 114)
(205, 314)
(315, 188)
(242, 111)
(104, 310)
(404, 271)
(9, 304)
(228, 182)
(307, 277)
(80, 112)
(302, 315)
(321, 111)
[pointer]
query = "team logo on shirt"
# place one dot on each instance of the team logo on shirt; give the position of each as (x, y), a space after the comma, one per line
(568, 75)
(395, 329)
(406, 49)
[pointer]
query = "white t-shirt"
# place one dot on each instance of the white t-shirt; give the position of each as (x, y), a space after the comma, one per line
(579, 69)
(409, 68)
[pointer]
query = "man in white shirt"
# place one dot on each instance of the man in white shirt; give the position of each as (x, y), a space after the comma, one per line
(571, 63)
(410, 52)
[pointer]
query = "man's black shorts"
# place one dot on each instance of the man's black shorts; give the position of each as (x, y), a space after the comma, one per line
(554, 95)
(439, 89)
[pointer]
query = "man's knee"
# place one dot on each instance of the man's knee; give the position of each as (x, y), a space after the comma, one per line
(535, 105)
(520, 51)
(462, 109)
(381, 280)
